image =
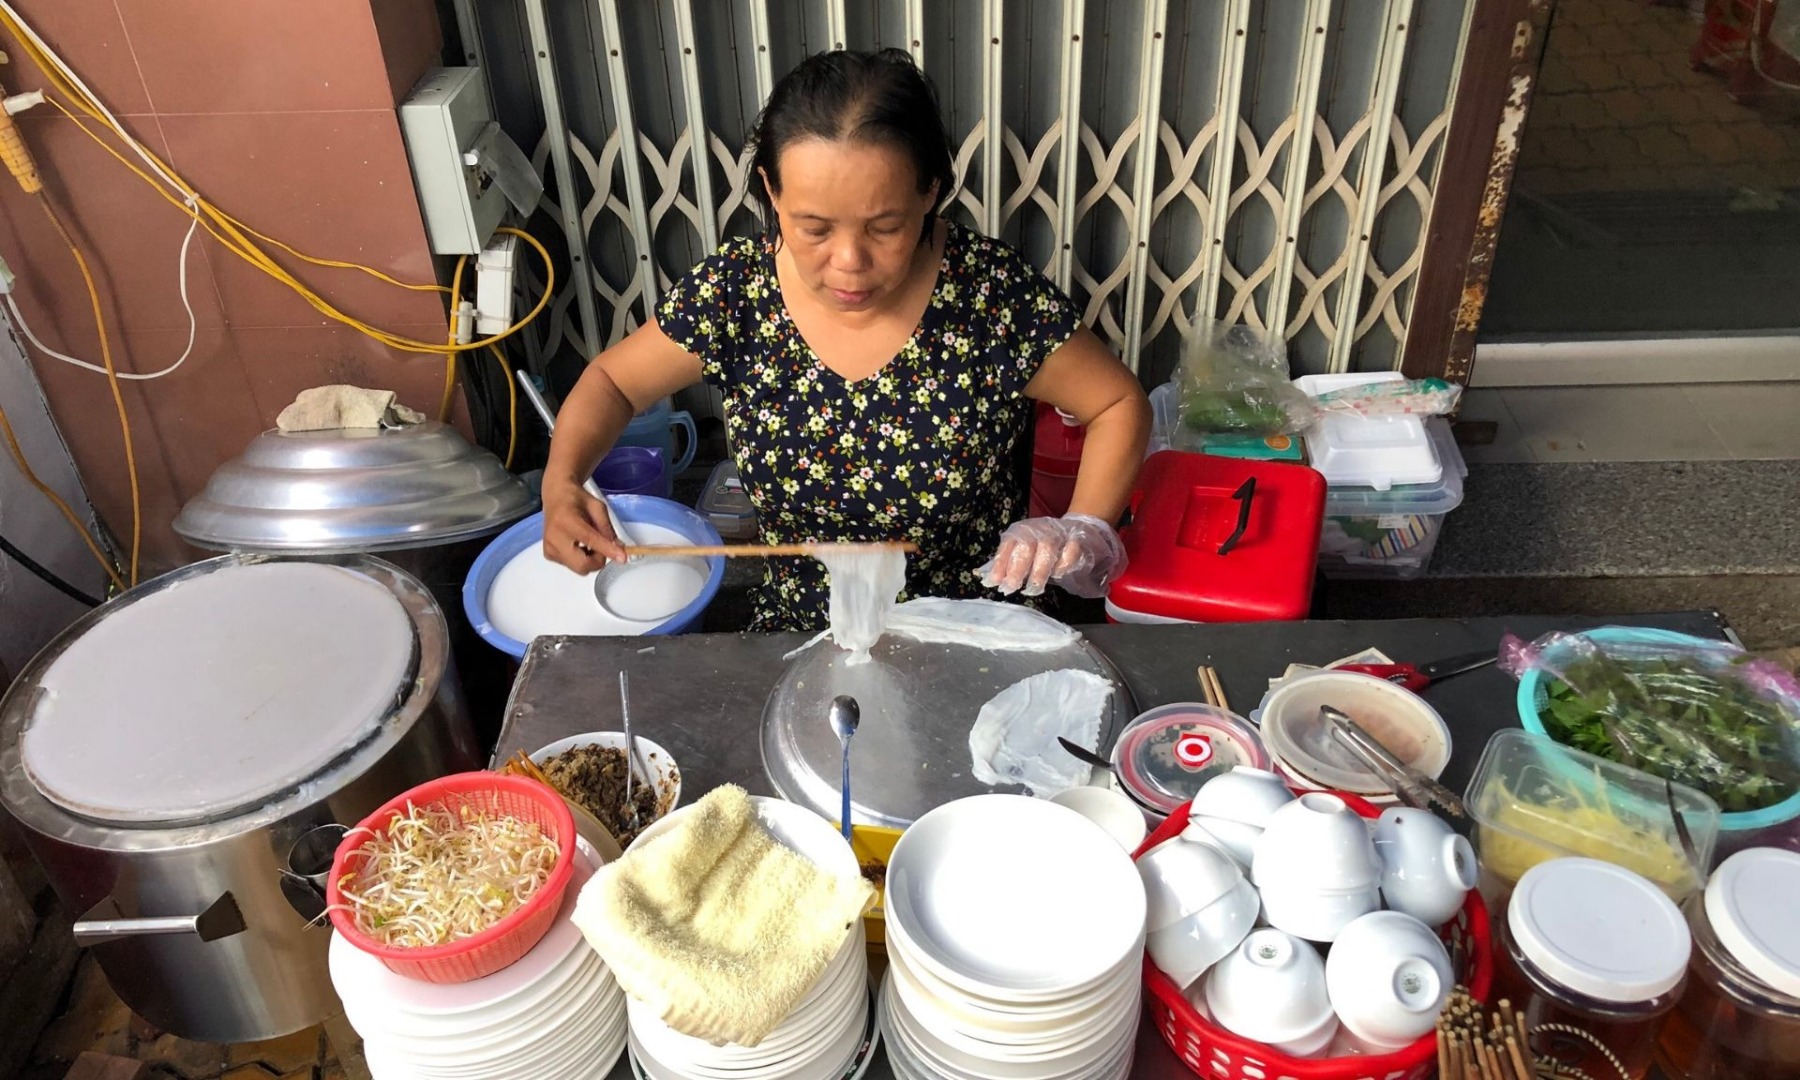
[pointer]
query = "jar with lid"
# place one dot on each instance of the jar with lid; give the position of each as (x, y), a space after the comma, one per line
(1740, 1016)
(1594, 956)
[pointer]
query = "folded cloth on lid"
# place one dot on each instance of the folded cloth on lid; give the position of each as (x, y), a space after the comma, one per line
(331, 408)
(715, 925)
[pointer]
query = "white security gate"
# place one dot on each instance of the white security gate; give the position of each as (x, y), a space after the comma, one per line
(1271, 162)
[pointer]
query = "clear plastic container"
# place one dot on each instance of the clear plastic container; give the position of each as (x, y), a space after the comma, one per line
(1393, 533)
(1594, 957)
(726, 504)
(1163, 756)
(1739, 1018)
(1534, 800)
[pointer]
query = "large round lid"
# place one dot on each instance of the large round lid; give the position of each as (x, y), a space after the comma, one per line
(217, 692)
(354, 490)
(1599, 929)
(1165, 755)
(1750, 904)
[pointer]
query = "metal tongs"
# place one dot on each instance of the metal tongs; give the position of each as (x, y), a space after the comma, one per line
(1413, 787)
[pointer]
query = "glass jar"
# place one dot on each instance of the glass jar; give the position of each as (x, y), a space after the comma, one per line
(1740, 1016)
(1594, 957)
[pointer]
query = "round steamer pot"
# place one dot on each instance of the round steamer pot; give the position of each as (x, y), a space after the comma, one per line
(1214, 1053)
(249, 965)
(631, 509)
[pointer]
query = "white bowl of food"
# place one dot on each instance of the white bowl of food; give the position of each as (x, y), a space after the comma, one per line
(588, 770)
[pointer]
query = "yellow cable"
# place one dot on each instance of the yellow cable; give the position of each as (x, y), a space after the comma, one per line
(112, 380)
(233, 239)
(462, 262)
(18, 455)
(512, 404)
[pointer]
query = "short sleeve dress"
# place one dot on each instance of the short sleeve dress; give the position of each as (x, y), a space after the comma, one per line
(921, 450)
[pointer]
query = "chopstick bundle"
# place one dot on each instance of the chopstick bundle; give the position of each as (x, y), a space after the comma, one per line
(1475, 1044)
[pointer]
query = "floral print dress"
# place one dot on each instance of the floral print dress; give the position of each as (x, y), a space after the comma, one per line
(921, 450)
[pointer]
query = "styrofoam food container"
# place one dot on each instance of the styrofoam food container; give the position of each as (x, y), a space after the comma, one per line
(1377, 452)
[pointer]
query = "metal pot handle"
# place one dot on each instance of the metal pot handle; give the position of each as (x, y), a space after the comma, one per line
(106, 922)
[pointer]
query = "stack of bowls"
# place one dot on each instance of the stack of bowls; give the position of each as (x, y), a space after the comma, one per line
(1316, 868)
(828, 1035)
(557, 1011)
(1015, 935)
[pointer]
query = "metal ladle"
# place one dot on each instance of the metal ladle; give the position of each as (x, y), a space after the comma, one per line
(845, 716)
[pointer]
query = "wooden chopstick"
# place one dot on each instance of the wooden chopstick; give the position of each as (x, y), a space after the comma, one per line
(1212, 689)
(756, 551)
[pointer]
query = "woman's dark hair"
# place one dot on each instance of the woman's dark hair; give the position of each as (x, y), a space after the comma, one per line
(870, 97)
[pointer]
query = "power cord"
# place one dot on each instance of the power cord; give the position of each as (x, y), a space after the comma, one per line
(44, 574)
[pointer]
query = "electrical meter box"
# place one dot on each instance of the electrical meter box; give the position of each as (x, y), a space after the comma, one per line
(452, 140)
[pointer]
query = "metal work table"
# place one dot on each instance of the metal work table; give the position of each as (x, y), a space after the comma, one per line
(701, 696)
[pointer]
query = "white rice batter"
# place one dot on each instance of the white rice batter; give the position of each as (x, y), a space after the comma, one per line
(533, 597)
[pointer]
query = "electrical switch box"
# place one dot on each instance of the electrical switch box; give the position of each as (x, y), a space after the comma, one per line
(450, 133)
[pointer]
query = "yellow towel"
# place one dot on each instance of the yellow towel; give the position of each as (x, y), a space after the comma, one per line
(715, 925)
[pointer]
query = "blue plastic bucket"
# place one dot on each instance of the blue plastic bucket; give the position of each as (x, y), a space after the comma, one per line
(1534, 696)
(632, 470)
(632, 510)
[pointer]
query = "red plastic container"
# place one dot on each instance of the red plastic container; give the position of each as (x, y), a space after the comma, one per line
(507, 940)
(1216, 1054)
(1216, 539)
(1055, 459)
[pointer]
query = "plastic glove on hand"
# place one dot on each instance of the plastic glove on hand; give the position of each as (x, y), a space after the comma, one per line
(1078, 552)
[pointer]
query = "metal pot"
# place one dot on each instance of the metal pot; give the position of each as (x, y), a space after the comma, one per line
(188, 911)
(420, 495)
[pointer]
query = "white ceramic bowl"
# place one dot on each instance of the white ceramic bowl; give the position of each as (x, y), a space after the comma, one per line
(1271, 988)
(1314, 915)
(1184, 949)
(651, 760)
(1232, 837)
(1318, 844)
(1388, 976)
(1427, 869)
(1182, 877)
(1109, 809)
(1244, 795)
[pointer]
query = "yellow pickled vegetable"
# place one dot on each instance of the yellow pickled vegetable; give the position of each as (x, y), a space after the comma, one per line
(1516, 835)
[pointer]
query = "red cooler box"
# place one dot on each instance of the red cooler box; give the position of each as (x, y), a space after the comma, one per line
(1217, 539)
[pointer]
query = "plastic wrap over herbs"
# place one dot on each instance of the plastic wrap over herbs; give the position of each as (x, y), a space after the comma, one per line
(1014, 738)
(1234, 381)
(1704, 714)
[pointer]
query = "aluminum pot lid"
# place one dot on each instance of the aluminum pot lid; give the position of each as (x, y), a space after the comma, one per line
(354, 490)
(918, 701)
(218, 692)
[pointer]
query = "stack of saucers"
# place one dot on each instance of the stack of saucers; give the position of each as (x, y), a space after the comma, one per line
(557, 1011)
(829, 1035)
(1015, 942)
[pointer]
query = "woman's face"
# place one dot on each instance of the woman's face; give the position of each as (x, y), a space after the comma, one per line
(850, 215)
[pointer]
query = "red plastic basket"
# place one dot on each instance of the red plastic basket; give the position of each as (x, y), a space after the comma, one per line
(1216, 1054)
(507, 940)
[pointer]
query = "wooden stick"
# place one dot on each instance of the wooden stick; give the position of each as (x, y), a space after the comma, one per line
(757, 551)
(1443, 1049)
(1525, 1050)
(1518, 1059)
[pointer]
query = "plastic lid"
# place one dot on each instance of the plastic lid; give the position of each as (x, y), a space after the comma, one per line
(1599, 929)
(1164, 755)
(1750, 903)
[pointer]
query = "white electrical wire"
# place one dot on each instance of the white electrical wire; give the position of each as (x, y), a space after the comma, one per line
(68, 73)
(193, 323)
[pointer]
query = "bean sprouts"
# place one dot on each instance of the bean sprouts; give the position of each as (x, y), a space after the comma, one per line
(436, 876)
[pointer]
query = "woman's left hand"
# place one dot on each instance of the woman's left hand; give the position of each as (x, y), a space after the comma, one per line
(1078, 552)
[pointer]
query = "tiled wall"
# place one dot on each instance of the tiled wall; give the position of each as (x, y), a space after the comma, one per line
(282, 114)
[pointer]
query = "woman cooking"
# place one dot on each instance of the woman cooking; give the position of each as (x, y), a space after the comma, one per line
(878, 365)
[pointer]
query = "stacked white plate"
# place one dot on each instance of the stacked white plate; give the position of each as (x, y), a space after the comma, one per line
(558, 1011)
(1015, 940)
(829, 1035)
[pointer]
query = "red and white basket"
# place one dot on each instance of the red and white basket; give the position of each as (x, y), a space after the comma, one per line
(1216, 1054)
